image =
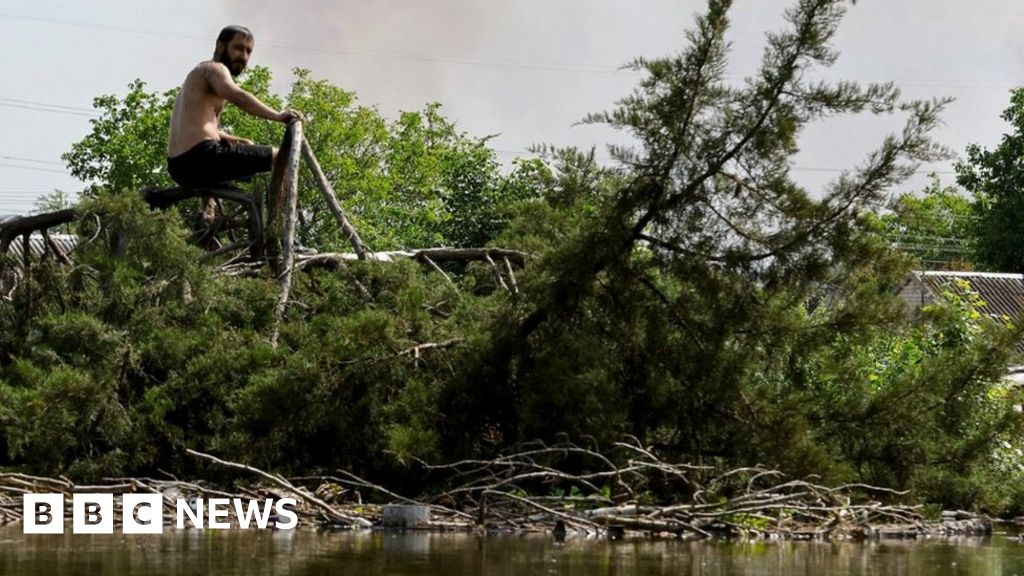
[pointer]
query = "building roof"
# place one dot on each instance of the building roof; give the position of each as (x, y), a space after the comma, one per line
(38, 248)
(1003, 294)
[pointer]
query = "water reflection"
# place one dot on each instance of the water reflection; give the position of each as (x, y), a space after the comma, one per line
(307, 553)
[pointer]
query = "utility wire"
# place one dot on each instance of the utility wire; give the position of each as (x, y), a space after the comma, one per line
(44, 107)
(35, 168)
(34, 160)
(41, 109)
(48, 105)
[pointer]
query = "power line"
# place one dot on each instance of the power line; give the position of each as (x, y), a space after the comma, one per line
(88, 112)
(42, 109)
(516, 64)
(32, 193)
(112, 28)
(838, 170)
(604, 157)
(48, 105)
(23, 199)
(35, 168)
(34, 160)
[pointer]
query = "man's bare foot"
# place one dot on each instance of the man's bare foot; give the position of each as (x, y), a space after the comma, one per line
(209, 210)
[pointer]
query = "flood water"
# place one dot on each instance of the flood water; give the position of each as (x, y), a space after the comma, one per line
(303, 552)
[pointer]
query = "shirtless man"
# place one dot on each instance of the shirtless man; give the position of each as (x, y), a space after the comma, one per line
(198, 152)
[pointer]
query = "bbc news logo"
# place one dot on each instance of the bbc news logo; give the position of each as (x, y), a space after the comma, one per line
(144, 513)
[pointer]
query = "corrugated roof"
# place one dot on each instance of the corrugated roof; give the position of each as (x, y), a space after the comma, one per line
(37, 246)
(1003, 294)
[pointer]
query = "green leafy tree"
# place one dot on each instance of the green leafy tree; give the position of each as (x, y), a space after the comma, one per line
(410, 183)
(127, 147)
(995, 179)
(710, 301)
(935, 227)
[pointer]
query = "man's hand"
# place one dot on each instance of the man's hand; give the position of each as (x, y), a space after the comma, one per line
(289, 115)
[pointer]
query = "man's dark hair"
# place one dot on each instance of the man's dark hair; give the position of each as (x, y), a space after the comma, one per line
(229, 32)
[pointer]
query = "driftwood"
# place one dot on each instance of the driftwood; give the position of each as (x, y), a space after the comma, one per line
(290, 190)
(26, 225)
(31, 229)
(574, 490)
(332, 201)
(290, 183)
(429, 256)
(331, 513)
(593, 493)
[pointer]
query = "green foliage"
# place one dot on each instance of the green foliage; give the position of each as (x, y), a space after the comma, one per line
(127, 147)
(414, 182)
(924, 402)
(711, 306)
(124, 361)
(996, 180)
(411, 183)
(936, 227)
(53, 201)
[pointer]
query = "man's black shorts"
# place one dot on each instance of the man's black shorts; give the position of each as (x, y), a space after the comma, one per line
(213, 162)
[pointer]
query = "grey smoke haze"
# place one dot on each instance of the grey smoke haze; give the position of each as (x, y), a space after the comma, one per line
(529, 69)
(525, 69)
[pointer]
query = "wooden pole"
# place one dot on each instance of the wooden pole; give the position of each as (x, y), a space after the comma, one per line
(332, 200)
(285, 170)
(290, 197)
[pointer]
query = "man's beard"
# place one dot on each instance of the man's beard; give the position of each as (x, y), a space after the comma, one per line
(235, 68)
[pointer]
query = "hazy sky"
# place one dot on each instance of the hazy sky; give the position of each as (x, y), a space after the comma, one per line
(523, 69)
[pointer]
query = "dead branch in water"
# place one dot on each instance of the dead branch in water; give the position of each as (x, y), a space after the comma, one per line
(288, 486)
